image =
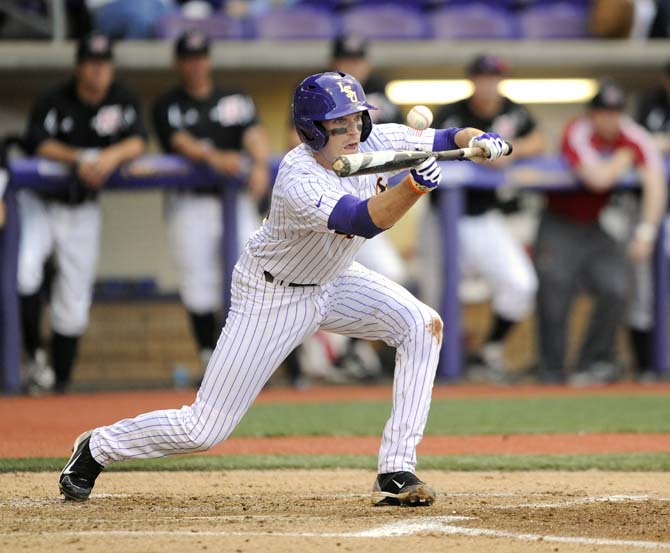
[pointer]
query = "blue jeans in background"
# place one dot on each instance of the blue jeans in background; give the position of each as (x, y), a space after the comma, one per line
(131, 19)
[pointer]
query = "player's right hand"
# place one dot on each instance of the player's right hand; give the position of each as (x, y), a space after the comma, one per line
(426, 176)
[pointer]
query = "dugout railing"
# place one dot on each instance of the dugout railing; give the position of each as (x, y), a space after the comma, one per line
(164, 172)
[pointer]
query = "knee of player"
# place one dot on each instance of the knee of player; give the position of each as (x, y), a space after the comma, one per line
(202, 441)
(30, 275)
(434, 327)
(520, 284)
(514, 300)
(615, 289)
(72, 323)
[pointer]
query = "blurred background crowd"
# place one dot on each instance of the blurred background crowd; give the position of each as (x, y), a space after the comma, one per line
(272, 19)
(557, 286)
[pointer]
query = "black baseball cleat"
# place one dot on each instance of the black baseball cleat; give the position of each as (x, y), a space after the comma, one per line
(402, 488)
(78, 477)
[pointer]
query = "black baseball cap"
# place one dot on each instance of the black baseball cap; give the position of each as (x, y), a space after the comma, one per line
(609, 96)
(350, 46)
(94, 46)
(192, 42)
(487, 64)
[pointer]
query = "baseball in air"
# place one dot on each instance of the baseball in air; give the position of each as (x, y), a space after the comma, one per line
(419, 117)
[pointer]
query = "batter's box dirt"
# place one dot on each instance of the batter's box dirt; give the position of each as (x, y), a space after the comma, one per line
(253, 511)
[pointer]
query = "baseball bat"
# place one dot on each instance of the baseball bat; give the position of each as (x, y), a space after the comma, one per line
(395, 160)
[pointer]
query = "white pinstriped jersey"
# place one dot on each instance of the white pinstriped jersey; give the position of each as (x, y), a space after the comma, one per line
(294, 244)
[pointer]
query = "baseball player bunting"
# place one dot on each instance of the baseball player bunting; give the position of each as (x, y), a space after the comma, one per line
(296, 275)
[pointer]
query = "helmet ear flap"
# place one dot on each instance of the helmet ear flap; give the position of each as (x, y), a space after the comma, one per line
(322, 135)
(313, 133)
(367, 125)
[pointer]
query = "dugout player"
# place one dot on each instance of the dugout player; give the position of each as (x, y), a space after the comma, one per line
(654, 115)
(92, 123)
(487, 247)
(296, 274)
(350, 54)
(573, 251)
(219, 127)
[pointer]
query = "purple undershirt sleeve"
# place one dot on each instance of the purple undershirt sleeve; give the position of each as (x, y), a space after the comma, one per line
(444, 139)
(351, 216)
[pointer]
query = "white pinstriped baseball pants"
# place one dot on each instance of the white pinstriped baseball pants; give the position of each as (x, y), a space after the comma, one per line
(266, 322)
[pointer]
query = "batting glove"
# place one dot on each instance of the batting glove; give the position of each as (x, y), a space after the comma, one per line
(426, 176)
(493, 145)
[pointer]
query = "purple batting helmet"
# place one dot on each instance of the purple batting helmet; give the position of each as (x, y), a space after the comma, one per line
(327, 96)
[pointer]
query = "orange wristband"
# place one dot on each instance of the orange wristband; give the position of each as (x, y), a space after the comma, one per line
(416, 189)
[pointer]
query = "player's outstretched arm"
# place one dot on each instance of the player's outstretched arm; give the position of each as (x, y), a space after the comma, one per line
(387, 208)
(368, 218)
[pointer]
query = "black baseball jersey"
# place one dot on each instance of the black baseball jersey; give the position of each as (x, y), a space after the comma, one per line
(221, 119)
(654, 115)
(61, 115)
(387, 111)
(654, 112)
(512, 121)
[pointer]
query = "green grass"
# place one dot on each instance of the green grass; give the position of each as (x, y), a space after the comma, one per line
(614, 462)
(448, 416)
(467, 416)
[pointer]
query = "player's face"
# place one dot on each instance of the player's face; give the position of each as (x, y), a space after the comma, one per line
(96, 75)
(344, 136)
(356, 67)
(606, 122)
(194, 70)
(486, 86)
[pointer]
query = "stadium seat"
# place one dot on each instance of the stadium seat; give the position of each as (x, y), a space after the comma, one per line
(476, 20)
(217, 26)
(330, 4)
(423, 4)
(386, 21)
(298, 22)
(554, 20)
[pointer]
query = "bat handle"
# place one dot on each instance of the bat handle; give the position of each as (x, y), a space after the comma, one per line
(509, 149)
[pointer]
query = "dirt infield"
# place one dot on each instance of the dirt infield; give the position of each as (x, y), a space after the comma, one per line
(281, 511)
(321, 510)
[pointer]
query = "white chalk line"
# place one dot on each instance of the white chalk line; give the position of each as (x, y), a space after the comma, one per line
(582, 501)
(440, 525)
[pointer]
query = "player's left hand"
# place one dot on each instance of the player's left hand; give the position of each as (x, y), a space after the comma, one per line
(491, 143)
(426, 176)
